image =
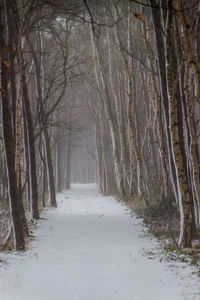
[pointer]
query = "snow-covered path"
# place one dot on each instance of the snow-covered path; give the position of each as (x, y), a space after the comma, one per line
(90, 248)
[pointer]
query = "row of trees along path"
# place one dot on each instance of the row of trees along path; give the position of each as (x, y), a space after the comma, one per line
(121, 78)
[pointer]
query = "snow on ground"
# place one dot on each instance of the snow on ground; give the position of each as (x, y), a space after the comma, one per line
(91, 248)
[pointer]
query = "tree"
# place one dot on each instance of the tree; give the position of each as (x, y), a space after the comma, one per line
(8, 138)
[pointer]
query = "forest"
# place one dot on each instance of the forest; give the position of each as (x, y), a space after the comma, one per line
(104, 91)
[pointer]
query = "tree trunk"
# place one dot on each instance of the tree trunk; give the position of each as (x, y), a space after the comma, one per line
(59, 165)
(31, 150)
(43, 121)
(49, 163)
(9, 142)
(176, 117)
(68, 170)
(11, 42)
(160, 45)
(102, 88)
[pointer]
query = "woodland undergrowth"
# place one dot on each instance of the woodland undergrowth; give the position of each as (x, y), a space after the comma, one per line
(162, 221)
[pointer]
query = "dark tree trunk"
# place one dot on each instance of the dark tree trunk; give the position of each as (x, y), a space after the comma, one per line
(26, 154)
(51, 181)
(44, 183)
(68, 171)
(11, 43)
(31, 151)
(44, 173)
(9, 141)
(59, 166)
(183, 119)
(162, 66)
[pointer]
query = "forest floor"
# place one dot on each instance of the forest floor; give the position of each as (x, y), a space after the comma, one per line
(91, 247)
